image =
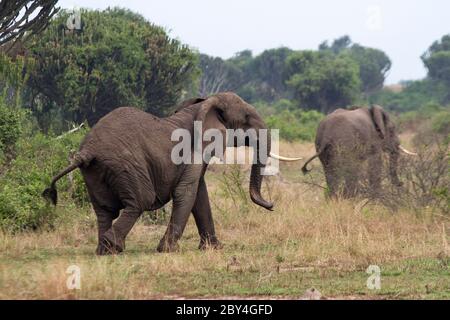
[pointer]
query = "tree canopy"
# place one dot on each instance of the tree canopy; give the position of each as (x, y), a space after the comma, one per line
(335, 75)
(434, 89)
(322, 82)
(374, 64)
(117, 58)
(217, 75)
(437, 59)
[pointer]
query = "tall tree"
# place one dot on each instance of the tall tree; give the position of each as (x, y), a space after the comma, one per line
(374, 64)
(340, 44)
(437, 60)
(322, 81)
(117, 58)
(267, 70)
(218, 75)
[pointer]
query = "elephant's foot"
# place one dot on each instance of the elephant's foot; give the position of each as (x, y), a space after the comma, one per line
(167, 246)
(109, 244)
(106, 248)
(210, 243)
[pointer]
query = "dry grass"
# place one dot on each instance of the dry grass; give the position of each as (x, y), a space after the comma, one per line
(306, 242)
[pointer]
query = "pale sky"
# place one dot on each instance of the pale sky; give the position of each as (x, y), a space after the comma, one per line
(403, 29)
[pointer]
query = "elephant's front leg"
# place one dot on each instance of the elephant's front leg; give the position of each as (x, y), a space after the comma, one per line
(184, 197)
(203, 218)
(393, 164)
(183, 201)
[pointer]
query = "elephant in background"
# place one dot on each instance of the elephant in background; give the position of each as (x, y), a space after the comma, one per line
(126, 164)
(346, 139)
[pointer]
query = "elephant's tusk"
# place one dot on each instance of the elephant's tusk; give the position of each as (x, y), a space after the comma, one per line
(407, 152)
(275, 156)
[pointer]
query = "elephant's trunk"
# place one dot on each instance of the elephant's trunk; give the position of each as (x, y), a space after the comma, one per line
(256, 175)
(393, 164)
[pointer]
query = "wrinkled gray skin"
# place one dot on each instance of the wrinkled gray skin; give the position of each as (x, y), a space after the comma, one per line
(346, 139)
(126, 163)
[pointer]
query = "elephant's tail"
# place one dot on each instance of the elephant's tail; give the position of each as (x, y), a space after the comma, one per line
(304, 168)
(80, 159)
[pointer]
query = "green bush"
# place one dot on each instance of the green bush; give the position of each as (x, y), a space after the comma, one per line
(118, 58)
(427, 113)
(413, 97)
(38, 158)
(440, 122)
(10, 128)
(295, 125)
(12, 78)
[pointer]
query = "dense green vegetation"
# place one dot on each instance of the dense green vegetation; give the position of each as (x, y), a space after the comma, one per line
(333, 76)
(116, 59)
(293, 123)
(433, 89)
(63, 77)
(413, 95)
(38, 158)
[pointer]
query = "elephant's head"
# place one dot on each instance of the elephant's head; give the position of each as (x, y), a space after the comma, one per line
(390, 142)
(228, 111)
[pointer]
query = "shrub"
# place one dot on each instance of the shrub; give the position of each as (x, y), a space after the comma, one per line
(432, 116)
(425, 177)
(37, 159)
(10, 128)
(296, 125)
(414, 95)
(232, 183)
(116, 59)
(440, 122)
(13, 74)
(426, 180)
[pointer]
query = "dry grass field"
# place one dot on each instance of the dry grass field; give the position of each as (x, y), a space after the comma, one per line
(306, 242)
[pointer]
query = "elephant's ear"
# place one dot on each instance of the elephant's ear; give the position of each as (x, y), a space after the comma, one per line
(211, 116)
(187, 103)
(379, 119)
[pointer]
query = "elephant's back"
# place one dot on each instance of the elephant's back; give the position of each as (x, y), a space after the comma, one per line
(122, 131)
(344, 120)
(344, 127)
(124, 121)
(128, 145)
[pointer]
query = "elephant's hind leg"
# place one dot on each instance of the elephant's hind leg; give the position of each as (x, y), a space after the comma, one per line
(134, 198)
(332, 178)
(106, 211)
(333, 174)
(114, 239)
(351, 181)
(105, 218)
(105, 204)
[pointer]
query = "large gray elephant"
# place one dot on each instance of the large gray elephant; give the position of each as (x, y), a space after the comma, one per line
(346, 139)
(126, 164)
